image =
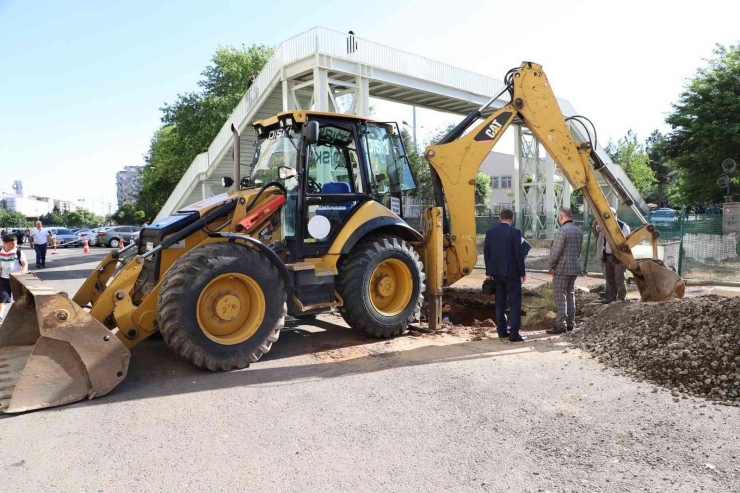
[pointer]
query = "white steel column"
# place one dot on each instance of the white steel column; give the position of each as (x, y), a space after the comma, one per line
(567, 191)
(320, 90)
(517, 178)
(550, 206)
(362, 96)
(288, 98)
(205, 191)
(534, 188)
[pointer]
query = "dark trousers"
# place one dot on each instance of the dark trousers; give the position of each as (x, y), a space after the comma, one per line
(563, 288)
(614, 270)
(40, 254)
(508, 291)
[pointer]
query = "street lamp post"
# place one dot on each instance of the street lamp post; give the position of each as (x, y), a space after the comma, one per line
(83, 208)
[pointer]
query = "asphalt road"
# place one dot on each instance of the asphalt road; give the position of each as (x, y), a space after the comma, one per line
(329, 410)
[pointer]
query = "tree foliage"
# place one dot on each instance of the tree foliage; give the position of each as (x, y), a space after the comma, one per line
(663, 169)
(194, 119)
(128, 214)
(630, 154)
(82, 218)
(12, 219)
(419, 170)
(483, 188)
(706, 126)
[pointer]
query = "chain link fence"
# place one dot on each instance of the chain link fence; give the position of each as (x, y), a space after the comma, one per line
(697, 246)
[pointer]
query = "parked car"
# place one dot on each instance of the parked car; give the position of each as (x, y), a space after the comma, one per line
(664, 217)
(96, 241)
(111, 237)
(85, 233)
(65, 237)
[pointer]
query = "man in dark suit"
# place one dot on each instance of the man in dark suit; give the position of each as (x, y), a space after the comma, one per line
(505, 265)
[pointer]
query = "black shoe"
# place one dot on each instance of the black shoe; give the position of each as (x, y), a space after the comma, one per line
(556, 330)
(505, 335)
(38, 266)
(569, 328)
(517, 338)
(606, 301)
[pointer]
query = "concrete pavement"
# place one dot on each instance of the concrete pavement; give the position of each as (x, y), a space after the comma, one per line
(329, 410)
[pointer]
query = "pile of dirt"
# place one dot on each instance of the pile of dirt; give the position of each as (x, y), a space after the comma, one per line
(690, 345)
(538, 305)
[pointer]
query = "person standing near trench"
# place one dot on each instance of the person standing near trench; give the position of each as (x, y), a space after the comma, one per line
(565, 255)
(503, 254)
(614, 270)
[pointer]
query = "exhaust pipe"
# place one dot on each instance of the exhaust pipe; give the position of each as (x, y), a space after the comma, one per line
(237, 151)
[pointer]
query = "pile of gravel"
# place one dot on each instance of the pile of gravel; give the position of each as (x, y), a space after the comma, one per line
(690, 345)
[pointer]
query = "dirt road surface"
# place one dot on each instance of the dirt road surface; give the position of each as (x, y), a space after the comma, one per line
(329, 410)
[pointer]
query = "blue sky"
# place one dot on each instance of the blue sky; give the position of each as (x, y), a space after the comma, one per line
(81, 83)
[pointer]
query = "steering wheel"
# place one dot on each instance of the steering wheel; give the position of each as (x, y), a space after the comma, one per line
(313, 186)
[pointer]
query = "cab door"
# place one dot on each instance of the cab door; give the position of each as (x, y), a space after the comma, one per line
(334, 186)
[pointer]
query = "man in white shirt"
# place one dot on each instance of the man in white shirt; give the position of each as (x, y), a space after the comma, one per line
(12, 259)
(39, 241)
(613, 269)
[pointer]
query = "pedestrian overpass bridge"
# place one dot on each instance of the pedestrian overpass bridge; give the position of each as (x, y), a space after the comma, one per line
(326, 70)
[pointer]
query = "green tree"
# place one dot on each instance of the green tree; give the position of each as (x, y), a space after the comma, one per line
(419, 170)
(127, 214)
(194, 119)
(705, 126)
(631, 156)
(483, 188)
(52, 219)
(80, 219)
(12, 219)
(655, 147)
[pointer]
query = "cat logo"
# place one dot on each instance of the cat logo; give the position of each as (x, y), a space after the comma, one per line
(492, 129)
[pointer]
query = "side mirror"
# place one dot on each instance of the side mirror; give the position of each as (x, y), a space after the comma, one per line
(285, 173)
(227, 181)
(312, 132)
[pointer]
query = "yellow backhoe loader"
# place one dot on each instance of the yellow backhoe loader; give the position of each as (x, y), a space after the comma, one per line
(316, 225)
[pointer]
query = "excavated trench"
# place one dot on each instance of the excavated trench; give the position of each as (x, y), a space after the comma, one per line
(470, 305)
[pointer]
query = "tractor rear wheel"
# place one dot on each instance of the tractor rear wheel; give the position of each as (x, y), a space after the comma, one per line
(221, 306)
(382, 284)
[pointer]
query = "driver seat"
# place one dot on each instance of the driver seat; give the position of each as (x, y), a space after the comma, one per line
(336, 209)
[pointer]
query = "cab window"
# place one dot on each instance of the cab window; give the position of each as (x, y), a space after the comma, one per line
(389, 168)
(332, 163)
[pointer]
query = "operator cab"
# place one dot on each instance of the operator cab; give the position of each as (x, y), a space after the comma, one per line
(332, 164)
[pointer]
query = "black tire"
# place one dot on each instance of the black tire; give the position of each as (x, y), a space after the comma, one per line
(354, 280)
(178, 299)
(114, 243)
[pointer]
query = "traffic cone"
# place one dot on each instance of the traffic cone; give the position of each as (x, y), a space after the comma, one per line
(120, 242)
(55, 246)
(85, 247)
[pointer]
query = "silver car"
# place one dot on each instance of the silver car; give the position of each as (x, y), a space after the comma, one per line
(112, 237)
(65, 237)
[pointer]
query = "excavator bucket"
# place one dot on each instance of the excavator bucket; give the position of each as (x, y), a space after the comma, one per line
(52, 352)
(656, 282)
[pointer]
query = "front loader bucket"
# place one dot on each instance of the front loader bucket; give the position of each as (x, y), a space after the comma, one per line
(52, 352)
(656, 282)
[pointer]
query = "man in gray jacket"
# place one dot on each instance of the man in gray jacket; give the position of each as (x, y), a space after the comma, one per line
(565, 253)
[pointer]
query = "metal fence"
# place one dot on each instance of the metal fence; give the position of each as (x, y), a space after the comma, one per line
(697, 245)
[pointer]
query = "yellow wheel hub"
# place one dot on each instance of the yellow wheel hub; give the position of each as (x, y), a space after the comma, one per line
(231, 308)
(391, 287)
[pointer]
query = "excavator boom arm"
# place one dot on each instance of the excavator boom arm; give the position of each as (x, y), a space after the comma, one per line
(456, 160)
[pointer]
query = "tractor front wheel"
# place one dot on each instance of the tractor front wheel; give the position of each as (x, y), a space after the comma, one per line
(221, 306)
(382, 284)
